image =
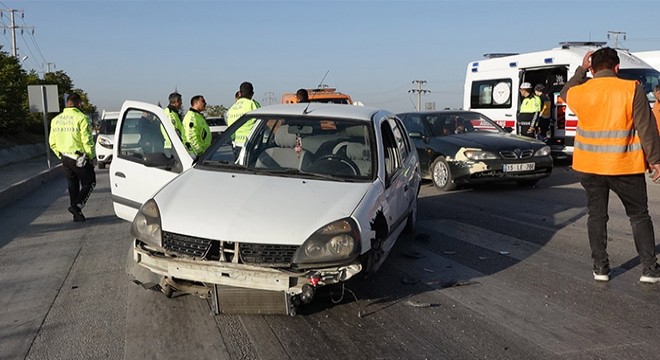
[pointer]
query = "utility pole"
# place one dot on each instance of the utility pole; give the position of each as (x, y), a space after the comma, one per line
(269, 97)
(48, 64)
(616, 34)
(13, 27)
(419, 91)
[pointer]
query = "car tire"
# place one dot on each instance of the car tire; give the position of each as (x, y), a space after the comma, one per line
(441, 175)
(101, 165)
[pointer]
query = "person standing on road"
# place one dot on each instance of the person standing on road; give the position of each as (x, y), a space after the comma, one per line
(172, 112)
(243, 105)
(615, 142)
(197, 134)
(543, 121)
(71, 140)
(529, 110)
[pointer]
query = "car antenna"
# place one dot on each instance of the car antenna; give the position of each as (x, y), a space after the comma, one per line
(324, 76)
(306, 111)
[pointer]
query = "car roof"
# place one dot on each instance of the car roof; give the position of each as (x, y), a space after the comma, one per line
(440, 112)
(321, 110)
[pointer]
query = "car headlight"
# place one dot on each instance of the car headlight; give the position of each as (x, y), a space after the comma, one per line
(478, 155)
(544, 151)
(105, 143)
(338, 241)
(146, 225)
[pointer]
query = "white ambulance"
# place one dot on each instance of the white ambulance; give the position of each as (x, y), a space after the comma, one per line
(650, 57)
(491, 85)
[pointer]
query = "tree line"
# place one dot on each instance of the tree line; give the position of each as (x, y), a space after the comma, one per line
(15, 116)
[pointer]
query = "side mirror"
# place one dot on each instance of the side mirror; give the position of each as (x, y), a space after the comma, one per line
(158, 160)
(508, 129)
(416, 134)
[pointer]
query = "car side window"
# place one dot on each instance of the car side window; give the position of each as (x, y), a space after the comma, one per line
(414, 124)
(142, 135)
(400, 137)
(391, 152)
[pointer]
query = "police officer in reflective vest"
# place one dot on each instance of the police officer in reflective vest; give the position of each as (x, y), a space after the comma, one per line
(616, 141)
(197, 134)
(529, 110)
(71, 140)
(243, 105)
(172, 112)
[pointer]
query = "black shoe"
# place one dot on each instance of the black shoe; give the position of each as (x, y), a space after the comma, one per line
(602, 273)
(650, 275)
(77, 214)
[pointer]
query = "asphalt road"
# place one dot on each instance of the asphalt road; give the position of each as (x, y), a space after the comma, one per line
(496, 272)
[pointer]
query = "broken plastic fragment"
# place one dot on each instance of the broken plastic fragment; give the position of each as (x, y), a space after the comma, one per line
(504, 252)
(418, 304)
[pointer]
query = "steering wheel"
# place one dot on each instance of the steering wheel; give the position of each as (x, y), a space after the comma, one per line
(341, 159)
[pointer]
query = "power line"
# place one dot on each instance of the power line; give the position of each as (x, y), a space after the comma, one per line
(13, 27)
(419, 91)
(34, 41)
(269, 97)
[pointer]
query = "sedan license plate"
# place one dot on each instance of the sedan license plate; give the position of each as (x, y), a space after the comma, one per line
(519, 167)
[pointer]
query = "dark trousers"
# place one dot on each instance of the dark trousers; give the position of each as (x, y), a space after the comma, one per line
(631, 189)
(80, 180)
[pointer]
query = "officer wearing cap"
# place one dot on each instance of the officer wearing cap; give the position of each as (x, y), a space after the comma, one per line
(530, 107)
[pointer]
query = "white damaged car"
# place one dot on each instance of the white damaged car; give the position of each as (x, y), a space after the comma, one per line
(317, 194)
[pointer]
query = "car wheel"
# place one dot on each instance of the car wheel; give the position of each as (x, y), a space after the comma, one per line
(101, 165)
(528, 182)
(442, 178)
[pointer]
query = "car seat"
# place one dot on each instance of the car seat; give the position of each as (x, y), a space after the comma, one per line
(285, 154)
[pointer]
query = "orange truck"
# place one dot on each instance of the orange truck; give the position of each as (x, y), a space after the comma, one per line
(324, 95)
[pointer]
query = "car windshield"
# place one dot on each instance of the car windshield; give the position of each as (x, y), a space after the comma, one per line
(296, 146)
(108, 126)
(648, 78)
(443, 124)
(329, 100)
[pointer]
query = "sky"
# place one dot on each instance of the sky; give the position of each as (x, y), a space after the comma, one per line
(371, 50)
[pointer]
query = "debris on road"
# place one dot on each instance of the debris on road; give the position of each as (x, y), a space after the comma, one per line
(417, 304)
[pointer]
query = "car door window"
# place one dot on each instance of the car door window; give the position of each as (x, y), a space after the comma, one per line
(141, 134)
(391, 151)
(400, 137)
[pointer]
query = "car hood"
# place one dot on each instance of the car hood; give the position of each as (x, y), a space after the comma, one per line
(254, 208)
(491, 141)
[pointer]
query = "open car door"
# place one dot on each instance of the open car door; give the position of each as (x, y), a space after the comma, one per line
(147, 154)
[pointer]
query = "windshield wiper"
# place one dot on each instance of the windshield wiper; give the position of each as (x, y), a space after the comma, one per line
(291, 171)
(224, 164)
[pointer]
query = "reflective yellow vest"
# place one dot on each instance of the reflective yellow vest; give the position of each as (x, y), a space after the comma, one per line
(240, 107)
(197, 134)
(606, 142)
(530, 104)
(71, 132)
(178, 127)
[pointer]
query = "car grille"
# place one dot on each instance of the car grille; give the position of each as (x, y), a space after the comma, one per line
(228, 251)
(516, 154)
